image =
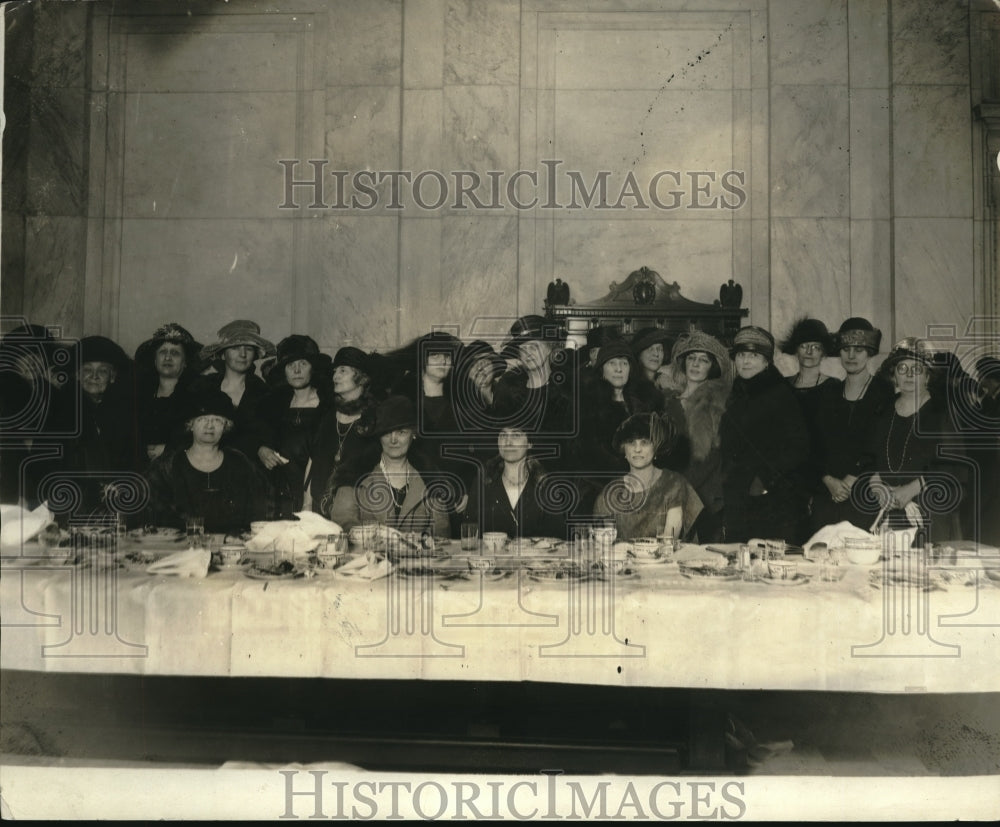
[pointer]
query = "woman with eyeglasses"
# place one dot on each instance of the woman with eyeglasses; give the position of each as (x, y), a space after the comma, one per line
(915, 485)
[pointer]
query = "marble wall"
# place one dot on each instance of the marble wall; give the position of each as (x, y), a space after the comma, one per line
(145, 184)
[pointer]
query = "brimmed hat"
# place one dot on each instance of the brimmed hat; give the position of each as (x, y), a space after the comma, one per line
(234, 334)
(649, 336)
(102, 349)
(438, 341)
(698, 341)
(808, 330)
(534, 327)
(858, 332)
(393, 413)
(353, 357)
(170, 332)
(912, 348)
(752, 339)
(210, 403)
(482, 350)
(658, 429)
(602, 335)
(298, 346)
(614, 350)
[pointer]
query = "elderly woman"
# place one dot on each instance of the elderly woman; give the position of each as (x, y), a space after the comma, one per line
(700, 378)
(765, 445)
(288, 418)
(166, 367)
(649, 500)
(232, 358)
(847, 412)
(904, 442)
(512, 496)
(395, 483)
(206, 480)
(650, 347)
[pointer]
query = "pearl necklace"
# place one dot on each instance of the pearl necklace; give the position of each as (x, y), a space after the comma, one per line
(392, 489)
(906, 442)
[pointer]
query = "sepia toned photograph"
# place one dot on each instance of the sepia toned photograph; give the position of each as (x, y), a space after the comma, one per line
(500, 409)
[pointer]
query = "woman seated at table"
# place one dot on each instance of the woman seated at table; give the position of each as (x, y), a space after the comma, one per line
(914, 484)
(700, 378)
(205, 480)
(648, 501)
(166, 366)
(513, 497)
(288, 418)
(397, 485)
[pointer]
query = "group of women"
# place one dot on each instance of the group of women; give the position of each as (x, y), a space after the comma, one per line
(689, 436)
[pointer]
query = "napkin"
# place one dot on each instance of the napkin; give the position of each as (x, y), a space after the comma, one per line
(834, 535)
(191, 563)
(294, 536)
(366, 568)
(20, 525)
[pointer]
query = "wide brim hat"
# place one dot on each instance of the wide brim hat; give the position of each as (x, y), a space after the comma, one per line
(298, 346)
(614, 350)
(919, 350)
(753, 339)
(236, 333)
(535, 328)
(170, 332)
(698, 341)
(808, 330)
(210, 403)
(649, 336)
(353, 357)
(394, 413)
(858, 332)
(102, 349)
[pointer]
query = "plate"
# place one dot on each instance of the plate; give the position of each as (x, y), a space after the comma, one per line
(557, 572)
(709, 573)
(797, 580)
(262, 574)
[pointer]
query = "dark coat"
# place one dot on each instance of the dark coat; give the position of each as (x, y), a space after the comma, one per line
(241, 437)
(490, 506)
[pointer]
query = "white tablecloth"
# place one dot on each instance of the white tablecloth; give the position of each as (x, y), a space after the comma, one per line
(656, 629)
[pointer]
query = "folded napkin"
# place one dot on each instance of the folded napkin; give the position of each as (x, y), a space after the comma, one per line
(834, 535)
(367, 568)
(315, 525)
(191, 563)
(294, 537)
(19, 525)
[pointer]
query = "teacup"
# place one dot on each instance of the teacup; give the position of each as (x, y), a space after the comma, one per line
(611, 563)
(231, 555)
(483, 564)
(604, 537)
(781, 569)
(646, 547)
(494, 541)
(329, 556)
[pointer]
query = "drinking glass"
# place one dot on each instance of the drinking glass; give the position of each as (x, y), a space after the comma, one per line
(470, 536)
(196, 532)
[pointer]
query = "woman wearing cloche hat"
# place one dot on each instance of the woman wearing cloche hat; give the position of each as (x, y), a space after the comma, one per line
(764, 446)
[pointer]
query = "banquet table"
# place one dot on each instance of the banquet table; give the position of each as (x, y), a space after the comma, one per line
(652, 627)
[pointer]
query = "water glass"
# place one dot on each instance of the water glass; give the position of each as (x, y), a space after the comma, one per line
(470, 536)
(195, 532)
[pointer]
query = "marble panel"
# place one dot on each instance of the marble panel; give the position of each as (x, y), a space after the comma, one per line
(202, 273)
(589, 255)
(478, 268)
(365, 44)
(190, 154)
(480, 131)
(871, 153)
(810, 158)
(481, 42)
(420, 293)
(871, 271)
(16, 145)
(213, 61)
(59, 56)
(758, 173)
(695, 55)
(423, 129)
(934, 274)
(930, 42)
(19, 32)
(12, 263)
(362, 133)
(357, 282)
(58, 132)
(868, 43)
(55, 250)
(757, 294)
(932, 167)
(810, 271)
(423, 44)
(808, 43)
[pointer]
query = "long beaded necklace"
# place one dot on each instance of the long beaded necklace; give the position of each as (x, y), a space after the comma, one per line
(906, 442)
(341, 436)
(398, 503)
(852, 403)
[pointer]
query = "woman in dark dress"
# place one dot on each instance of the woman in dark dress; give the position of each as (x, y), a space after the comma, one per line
(166, 366)
(206, 480)
(288, 418)
(765, 445)
(847, 412)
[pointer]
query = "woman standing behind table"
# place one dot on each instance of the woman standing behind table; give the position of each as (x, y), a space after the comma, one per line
(513, 498)
(397, 484)
(649, 500)
(702, 374)
(232, 357)
(166, 367)
(288, 419)
(650, 347)
(342, 436)
(206, 480)
(765, 445)
(904, 442)
(847, 413)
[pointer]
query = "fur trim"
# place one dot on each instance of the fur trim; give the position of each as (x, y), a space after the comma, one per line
(703, 413)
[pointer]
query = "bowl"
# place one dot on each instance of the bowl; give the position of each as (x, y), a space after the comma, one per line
(863, 551)
(646, 547)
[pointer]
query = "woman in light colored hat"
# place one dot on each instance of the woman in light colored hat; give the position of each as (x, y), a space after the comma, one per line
(287, 420)
(701, 369)
(765, 445)
(846, 415)
(397, 485)
(205, 479)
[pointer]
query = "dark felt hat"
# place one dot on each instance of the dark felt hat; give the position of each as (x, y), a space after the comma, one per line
(353, 357)
(393, 413)
(859, 332)
(170, 332)
(602, 335)
(614, 350)
(102, 349)
(649, 336)
(657, 428)
(298, 346)
(534, 327)
(210, 403)
(808, 330)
